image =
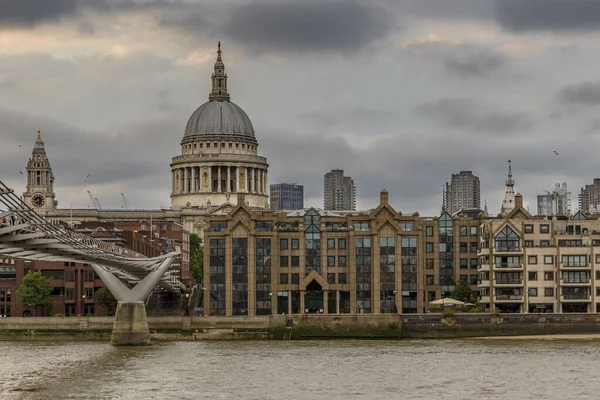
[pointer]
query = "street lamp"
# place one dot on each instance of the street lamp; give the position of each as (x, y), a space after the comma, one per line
(83, 304)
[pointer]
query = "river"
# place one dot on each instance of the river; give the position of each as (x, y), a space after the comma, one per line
(303, 370)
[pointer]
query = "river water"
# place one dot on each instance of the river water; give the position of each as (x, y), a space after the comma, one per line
(306, 370)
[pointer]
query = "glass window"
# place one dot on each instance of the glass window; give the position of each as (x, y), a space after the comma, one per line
(295, 244)
(548, 260)
(532, 292)
(217, 227)
(429, 280)
(283, 279)
(544, 228)
(464, 263)
(528, 228)
(473, 263)
(363, 275)
(429, 247)
(429, 230)
(331, 261)
(342, 278)
(548, 292)
(361, 226)
(545, 243)
(463, 247)
(331, 279)
(331, 243)
(263, 276)
(532, 276)
(283, 244)
(341, 243)
(264, 227)
(217, 276)
(529, 243)
(507, 240)
(283, 261)
(473, 231)
(532, 260)
(239, 278)
(295, 261)
(463, 231)
(598, 258)
(429, 263)
(341, 261)
(295, 279)
(549, 275)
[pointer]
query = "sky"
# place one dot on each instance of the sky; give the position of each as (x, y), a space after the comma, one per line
(398, 93)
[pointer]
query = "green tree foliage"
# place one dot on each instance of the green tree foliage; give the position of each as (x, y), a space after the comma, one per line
(196, 257)
(105, 297)
(35, 291)
(462, 292)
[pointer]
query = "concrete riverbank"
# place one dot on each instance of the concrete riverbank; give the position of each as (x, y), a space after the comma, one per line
(300, 327)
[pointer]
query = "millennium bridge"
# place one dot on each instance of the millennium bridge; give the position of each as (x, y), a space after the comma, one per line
(130, 276)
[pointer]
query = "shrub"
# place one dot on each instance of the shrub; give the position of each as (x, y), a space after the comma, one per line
(449, 312)
(496, 312)
(59, 315)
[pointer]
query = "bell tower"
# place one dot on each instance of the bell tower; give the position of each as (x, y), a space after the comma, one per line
(39, 191)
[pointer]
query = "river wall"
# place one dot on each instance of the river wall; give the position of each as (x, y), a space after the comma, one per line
(301, 327)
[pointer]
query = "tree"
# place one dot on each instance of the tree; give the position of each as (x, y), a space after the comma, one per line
(196, 257)
(105, 297)
(462, 292)
(35, 291)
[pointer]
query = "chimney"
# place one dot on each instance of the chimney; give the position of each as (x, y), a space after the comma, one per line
(383, 197)
(518, 200)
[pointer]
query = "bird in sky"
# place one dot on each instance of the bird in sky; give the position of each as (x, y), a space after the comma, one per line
(555, 152)
(88, 175)
(20, 145)
(21, 172)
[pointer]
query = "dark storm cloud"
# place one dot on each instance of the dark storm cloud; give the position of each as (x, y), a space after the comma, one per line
(445, 9)
(548, 15)
(586, 93)
(471, 115)
(307, 25)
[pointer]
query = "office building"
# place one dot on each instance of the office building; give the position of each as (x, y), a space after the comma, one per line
(462, 193)
(557, 202)
(286, 196)
(339, 192)
(589, 198)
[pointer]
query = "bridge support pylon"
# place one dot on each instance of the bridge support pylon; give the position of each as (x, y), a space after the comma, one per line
(131, 324)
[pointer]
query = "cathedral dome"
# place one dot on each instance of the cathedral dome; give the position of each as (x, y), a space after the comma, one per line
(219, 118)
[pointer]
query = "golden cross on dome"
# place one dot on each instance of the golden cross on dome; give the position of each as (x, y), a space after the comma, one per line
(39, 134)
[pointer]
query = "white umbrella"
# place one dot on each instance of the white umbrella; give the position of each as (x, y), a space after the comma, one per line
(446, 300)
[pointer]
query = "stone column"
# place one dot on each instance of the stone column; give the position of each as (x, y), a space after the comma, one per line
(337, 301)
(289, 302)
(302, 293)
(228, 179)
(251, 176)
(325, 301)
(180, 180)
(193, 179)
(173, 181)
(185, 180)
(219, 179)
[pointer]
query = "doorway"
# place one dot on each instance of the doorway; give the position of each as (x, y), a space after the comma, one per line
(313, 299)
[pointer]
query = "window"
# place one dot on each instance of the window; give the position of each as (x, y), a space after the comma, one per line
(264, 227)
(463, 278)
(341, 243)
(463, 231)
(473, 263)
(507, 240)
(283, 279)
(463, 247)
(464, 263)
(407, 226)
(429, 263)
(529, 243)
(331, 243)
(331, 261)
(283, 244)
(528, 228)
(597, 258)
(473, 279)
(295, 244)
(574, 261)
(548, 292)
(295, 279)
(544, 228)
(429, 280)
(430, 296)
(342, 278)
(473, 231)
(283, 261)
(532, 276)
(331, 278)
(549, 275)
(545, 243)
(219, 227)
(361, 226)
(548, 260)
(532, 292)
(473, 247)
(341, 261)
(532, 260)
(429, 247)
(429, 230)
(295, 261)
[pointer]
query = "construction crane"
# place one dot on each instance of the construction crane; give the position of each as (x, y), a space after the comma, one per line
(98, 203)
(125, 205)
(92, 199)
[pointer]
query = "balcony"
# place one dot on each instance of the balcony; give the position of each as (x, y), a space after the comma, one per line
(509, 297)
(483, 267)
(572, 282)
(508, 282)
(574, 266)
(507, 249)
(485, 283)
(508, 266)
(576, 298)
(485, 299)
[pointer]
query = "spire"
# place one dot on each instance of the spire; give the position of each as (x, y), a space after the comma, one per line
(39, 143)
(510, 181)
(219, 80)
(485, 209)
